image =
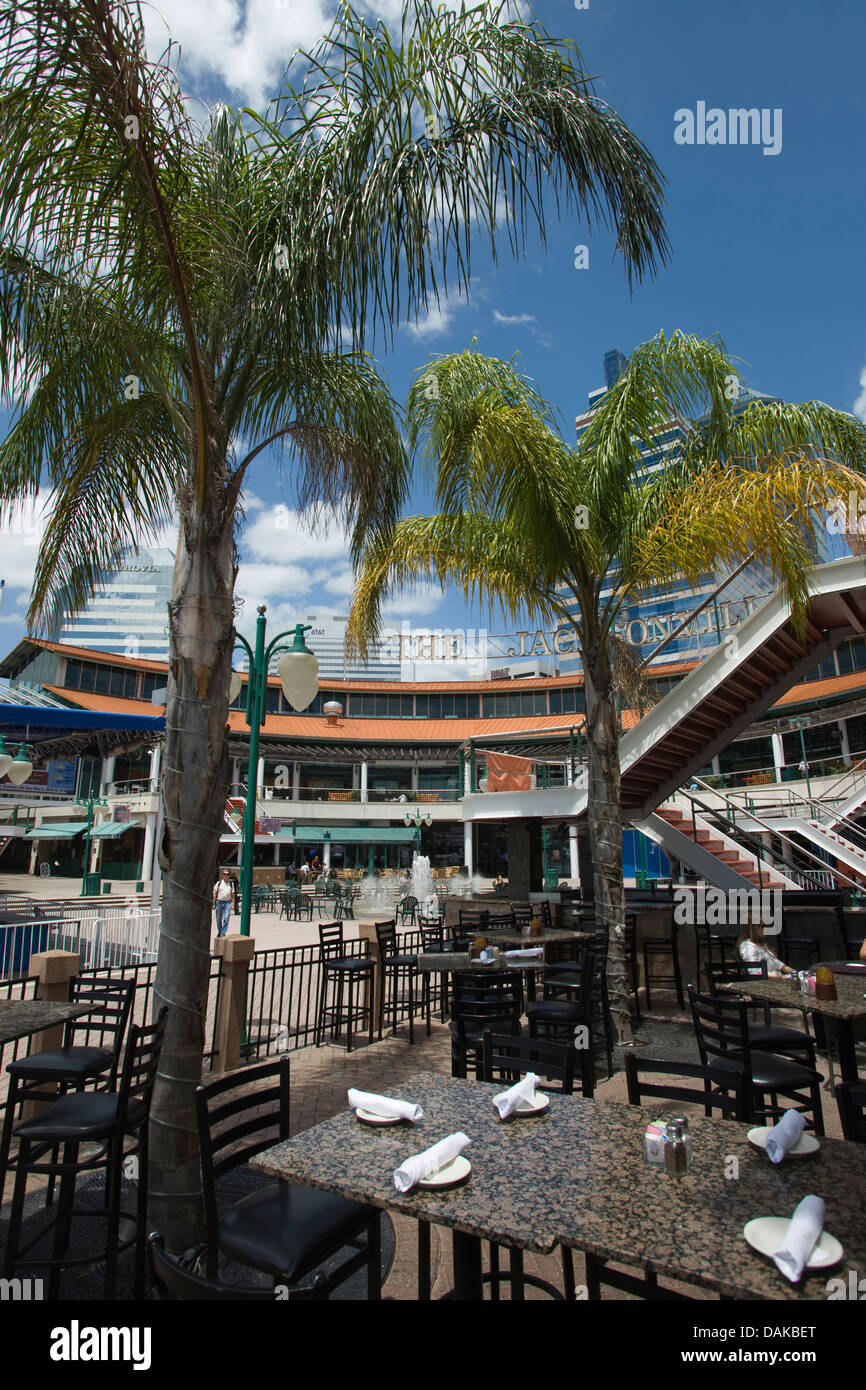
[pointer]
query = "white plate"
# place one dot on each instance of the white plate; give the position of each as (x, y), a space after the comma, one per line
(766, 1233)
(806, 1143)
(452, 1175)
(369, 1117)
(526, 1107)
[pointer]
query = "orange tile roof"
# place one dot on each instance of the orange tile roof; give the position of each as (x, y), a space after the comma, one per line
(104, 704)
(815, 690)
(137, 663)
(400, 730)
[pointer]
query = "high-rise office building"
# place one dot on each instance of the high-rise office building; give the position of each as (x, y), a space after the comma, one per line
(129, 612)
(327, 638)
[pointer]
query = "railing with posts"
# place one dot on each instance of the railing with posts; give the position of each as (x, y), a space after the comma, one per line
(820, 877)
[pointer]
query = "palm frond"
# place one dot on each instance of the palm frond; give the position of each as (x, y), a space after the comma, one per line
(489, 560)
(511, 122)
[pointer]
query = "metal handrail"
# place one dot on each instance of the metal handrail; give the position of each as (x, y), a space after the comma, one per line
(759, 849)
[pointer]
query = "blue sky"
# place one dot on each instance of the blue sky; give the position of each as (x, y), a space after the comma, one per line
(767, 249)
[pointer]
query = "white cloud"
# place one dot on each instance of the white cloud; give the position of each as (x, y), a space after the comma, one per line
(436, 322)
(513, 318)
(860, 403)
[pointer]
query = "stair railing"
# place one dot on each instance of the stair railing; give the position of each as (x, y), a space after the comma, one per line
(755, 845)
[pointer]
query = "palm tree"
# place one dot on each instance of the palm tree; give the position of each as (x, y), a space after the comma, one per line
(168, 291)
(573, 534)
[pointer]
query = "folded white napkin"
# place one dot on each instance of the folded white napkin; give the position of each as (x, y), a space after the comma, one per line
(529, 953)
(801, 1237)
(384, 1105)
(424, 1165)
(784, 1134)
(507, 1102)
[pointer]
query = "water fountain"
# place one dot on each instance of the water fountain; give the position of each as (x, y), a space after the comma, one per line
(423, 887)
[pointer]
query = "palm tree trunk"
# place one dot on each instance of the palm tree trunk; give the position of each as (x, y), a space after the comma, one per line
(604, 819)
(193, 789)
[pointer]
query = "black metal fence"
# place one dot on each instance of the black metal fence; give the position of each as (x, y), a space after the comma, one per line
(283, 995)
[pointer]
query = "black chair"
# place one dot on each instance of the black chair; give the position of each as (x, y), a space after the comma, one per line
(175, 1279)
(655, 947)
(90, 1052)
(851, 1101)
(766, 1036)
(500, 921)
(717, 948)
(730, 1096)
(104, 1120)
(472, 922)
(804, 948)
(566, 999)
(395, 971)
(632, 962)
(351, 978)
(722, 1031)
(284, 1230)
(492, 1003)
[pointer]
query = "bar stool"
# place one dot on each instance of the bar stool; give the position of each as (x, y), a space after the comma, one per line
(90, 1053)
(396, 969)
(104, 1119)
(346, 974)
(654, 946)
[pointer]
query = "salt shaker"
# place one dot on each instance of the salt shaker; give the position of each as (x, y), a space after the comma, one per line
(676, 1152)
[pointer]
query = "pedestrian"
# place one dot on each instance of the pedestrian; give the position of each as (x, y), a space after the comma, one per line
(236, 892)
(222, 901)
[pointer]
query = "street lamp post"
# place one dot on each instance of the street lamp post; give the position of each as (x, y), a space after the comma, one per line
(298, 670)
(89, 803)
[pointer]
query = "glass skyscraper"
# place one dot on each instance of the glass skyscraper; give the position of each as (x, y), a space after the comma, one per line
(129, 612)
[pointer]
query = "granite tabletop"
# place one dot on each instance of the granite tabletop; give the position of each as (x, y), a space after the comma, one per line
(850, 1002)
(576, 1175)
(21, 1017)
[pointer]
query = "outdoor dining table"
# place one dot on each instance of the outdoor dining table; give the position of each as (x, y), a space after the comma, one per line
(844, 1010)
(575, 1175)
(21, 1017)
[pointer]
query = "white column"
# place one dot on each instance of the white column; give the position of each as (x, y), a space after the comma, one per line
(846, 747)
(235, 775)
(569, 782)
(778, 755)
(356, 777)
(296, 782)
(108, 770)
(467, 777)
(276, 852)
(149, 842)
(260, 779)
(363, 781)
(573, 862)
(414, 777)
(155, 762)
(326, 855)
(156, 880)
(716, 766)
(467, 846)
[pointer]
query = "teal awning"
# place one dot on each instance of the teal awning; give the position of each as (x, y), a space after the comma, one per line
(349, 834)
(56, 830)
(109, 829)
